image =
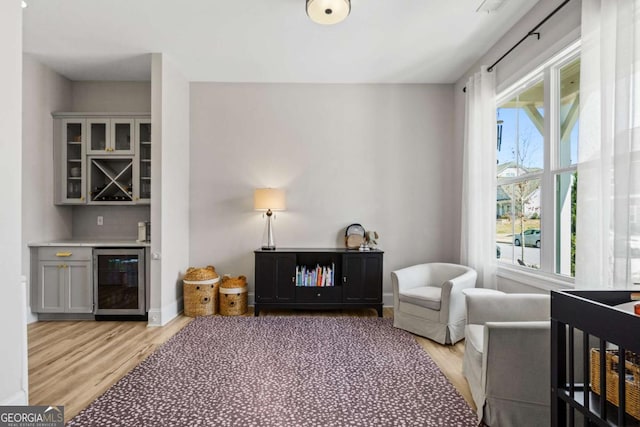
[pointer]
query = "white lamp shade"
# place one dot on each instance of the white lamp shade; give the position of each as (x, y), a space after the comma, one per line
(328, 12)
(269, 198)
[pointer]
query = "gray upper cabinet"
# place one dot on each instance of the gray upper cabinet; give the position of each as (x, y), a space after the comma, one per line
(102, 158)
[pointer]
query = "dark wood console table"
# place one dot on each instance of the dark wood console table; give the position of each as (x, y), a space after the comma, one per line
(335, 279)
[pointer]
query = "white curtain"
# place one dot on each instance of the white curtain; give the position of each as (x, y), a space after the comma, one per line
(608, 214)
(478, 236)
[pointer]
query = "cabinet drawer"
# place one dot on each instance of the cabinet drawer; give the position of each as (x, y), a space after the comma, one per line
(64, 253)
(319, 294)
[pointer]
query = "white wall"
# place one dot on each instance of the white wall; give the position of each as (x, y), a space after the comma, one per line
(13, 357)
(170, 188)
(557, 33)
(379, 155)
(43, 91)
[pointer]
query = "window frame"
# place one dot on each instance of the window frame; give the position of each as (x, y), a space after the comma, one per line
(545, 277)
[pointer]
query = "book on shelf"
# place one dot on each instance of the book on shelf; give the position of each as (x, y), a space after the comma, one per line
(319, 276)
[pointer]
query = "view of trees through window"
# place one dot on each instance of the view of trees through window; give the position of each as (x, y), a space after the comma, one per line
(536, 193)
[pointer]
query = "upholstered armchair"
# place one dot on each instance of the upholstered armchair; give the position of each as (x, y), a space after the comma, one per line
(507, 357)
(428, 300)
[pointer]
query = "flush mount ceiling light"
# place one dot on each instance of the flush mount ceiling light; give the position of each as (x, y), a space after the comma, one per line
(328, 12)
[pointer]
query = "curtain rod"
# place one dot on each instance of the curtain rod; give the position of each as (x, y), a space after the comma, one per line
(533, 32)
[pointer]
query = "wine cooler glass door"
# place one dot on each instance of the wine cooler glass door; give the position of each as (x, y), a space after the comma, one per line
(119, 281)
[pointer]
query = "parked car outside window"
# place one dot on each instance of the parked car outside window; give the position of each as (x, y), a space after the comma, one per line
(530, 237)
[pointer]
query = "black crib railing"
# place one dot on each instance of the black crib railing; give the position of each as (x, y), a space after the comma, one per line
(595, 376)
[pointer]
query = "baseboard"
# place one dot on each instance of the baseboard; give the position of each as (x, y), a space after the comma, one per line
(65, 316)
(31, 316)
(160, 317)
(19, 398)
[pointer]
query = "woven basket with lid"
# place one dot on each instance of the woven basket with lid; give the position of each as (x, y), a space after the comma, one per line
(200, 288)
(233, 296)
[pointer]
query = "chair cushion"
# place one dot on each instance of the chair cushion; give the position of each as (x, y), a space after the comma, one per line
(424, 296)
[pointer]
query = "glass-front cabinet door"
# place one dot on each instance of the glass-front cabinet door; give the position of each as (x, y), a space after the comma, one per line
(73, 161)
(122, 136)
(110, 136)
(143, 134)
(98, 134)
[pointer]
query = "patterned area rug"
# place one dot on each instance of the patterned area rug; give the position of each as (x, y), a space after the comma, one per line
(283, 371)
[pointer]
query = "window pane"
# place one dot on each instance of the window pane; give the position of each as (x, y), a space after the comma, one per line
(520, 121)
(565, 209)
(569, 113)
(518, 233)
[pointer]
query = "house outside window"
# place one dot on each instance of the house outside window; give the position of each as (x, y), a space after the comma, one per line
(537, 153)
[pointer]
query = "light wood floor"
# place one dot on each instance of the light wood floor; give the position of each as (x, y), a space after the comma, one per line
(71, 363)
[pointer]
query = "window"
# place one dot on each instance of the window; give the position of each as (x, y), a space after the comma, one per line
(537, 153)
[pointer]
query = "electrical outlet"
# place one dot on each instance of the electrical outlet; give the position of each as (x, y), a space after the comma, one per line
(100, 220)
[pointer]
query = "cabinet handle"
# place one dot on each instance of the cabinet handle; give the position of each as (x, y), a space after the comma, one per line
(64, 254)
(318, 293)
(344, 279)
(293, 279)
(82, 198)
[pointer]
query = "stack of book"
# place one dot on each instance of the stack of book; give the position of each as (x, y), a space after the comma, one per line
(318, 276)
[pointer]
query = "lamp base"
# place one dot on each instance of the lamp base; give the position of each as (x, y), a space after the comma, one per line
(268, 248)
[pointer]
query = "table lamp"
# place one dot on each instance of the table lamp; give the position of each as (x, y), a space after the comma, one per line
(269, 199)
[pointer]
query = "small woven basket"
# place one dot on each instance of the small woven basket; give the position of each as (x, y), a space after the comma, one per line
(200, 291)
(233, 296)
(632, 380)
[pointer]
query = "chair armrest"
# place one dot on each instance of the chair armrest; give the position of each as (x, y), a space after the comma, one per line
(464, 281)
(452, 297)
(483, 308)
(516, 361)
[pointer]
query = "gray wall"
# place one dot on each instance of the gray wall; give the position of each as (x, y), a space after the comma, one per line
(110, 97)
(130, 97)
(43, 91)
(119, 222)
(380, 155)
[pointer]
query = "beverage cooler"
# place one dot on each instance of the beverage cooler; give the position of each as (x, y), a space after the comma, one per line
(119, 281)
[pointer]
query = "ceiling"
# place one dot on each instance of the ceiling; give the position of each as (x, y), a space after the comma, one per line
(381, 41)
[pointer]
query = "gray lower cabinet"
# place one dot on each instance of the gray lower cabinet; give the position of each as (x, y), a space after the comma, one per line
(63, 280)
